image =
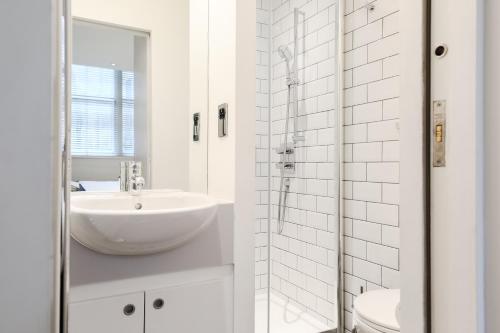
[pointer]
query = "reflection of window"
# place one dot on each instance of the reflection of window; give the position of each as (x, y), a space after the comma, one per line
(102, 112)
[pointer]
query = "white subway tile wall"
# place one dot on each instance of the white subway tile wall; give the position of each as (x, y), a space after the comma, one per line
(371, 182)
(303, 257)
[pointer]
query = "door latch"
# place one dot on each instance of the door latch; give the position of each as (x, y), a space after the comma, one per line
(439, 134)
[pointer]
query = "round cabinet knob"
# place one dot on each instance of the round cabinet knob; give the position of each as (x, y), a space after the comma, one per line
(158, 303)
(129, 309)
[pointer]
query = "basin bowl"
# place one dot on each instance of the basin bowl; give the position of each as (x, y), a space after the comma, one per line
(152, 222)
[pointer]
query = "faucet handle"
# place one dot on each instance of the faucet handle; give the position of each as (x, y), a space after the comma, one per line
(136, 185)
(139, 181)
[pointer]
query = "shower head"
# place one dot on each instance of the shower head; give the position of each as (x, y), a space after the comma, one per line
(285, 53)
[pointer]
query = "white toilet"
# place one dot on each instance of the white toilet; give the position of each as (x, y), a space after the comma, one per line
(377, 312)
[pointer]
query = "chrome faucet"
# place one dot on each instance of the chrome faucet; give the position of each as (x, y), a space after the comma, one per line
(131, 179)
(136, 185)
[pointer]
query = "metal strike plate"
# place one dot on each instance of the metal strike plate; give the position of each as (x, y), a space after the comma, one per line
(439, 134)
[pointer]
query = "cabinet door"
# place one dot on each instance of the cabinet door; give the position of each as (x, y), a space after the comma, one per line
(119, 314)
(203, 307)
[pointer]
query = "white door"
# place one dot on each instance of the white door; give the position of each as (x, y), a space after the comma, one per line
(119, 314)
(456, 188)
(203, 307)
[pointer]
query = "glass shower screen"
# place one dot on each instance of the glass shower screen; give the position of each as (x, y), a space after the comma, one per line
(297, 167)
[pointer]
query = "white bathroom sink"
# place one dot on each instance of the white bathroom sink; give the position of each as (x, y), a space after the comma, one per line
(154, 221)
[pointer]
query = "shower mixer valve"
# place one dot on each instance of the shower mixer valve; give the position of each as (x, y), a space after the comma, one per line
(291, 81)
(287, 158)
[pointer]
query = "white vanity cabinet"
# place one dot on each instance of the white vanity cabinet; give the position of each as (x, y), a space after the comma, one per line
(200, 307)
(174, 306)
(120, 314)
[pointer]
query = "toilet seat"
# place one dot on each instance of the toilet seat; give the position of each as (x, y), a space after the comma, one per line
(376, 311)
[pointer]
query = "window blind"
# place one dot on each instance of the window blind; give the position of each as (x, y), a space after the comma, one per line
(102, 112)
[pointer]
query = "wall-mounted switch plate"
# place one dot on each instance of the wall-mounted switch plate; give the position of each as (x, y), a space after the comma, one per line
(196, 126)
(222, 119)
(439, 134)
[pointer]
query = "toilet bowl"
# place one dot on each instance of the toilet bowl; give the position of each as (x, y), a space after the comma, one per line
(377, 312)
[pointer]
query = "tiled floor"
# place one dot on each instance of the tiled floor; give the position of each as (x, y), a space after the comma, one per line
(291, 320)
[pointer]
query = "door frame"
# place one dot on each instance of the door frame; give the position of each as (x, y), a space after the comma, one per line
(414, 167)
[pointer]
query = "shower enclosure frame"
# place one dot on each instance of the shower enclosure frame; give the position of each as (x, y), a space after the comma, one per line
(66, 177)
(339, 43)
(339, 156)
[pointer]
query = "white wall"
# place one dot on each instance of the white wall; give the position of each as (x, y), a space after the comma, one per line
(492, 166)
(29, 166)
(168, 23)
(222, 75)
(231, 159)
(198, 93)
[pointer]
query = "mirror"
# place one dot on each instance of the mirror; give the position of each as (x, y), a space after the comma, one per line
(110, 106)
(133, 78)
